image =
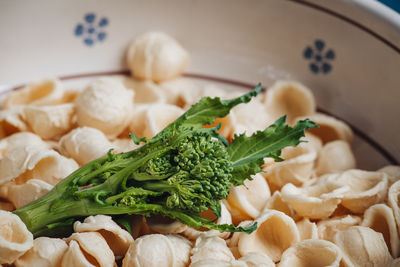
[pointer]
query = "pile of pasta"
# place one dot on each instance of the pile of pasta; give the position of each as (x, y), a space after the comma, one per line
(313, 209)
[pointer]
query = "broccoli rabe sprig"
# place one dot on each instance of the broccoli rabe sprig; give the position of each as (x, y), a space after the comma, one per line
(182, 171)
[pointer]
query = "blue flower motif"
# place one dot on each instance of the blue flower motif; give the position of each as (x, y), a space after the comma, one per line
(92, 29)
(319, 57)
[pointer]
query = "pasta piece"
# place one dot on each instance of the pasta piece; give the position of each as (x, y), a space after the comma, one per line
(165, 225)
(45, 92)
(105, 105)
(225, 218)
(12, 121)
(297, 168)
(158, 116)
(20, 139)
(92, 246)
(395, 263)
(289, 98)
(75, 257)
(213, 263)
(330, 128)
(275, 233)
(156, 56)
(117, 238)
(393, 173)
(394, 200)
(210, 247)
(316, 201)
(85, 144)
(137, 124)
(251, 197)
(158, 251)
(335, 156)
(46, 252)
(362, 246)
(50, 121)
(177, 91)
(123, 145)
(366, 189)
(277, 203)
(380, 218)
(15, 239)
(22, 194)
(311, 252)
(256, 259)
(327, 229)
(307, 229)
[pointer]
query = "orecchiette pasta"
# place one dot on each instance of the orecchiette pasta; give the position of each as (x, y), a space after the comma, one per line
(307, 229)
(335, 156)
(393, 173)
(22, 194)
(394, 200)
(15, 239)
(12, 121)
(327, 229)
(158, 116)
(210, 247)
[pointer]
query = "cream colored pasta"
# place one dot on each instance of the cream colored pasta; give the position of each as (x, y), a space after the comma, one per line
(105, 105)
(289, 98)
(297, 168)
(117, 238)
(330, 128)
(158, 251)
(366, 189)
(394, 200)
(22, 194)
(137, 123)
(94, 248)
(75, 257)
(210, 247)
(251, 197)
(307, 229)
(315, 201)
(158, 116)
(123, 145)
(46, 92)
(156, 56)
(393, 173)
(277, 203)
(176, 91)
(20, 139)
(395, 263)
(225, 218)
(362, 246)
(85, 144)
(335, 156)
(146, 92)
(311, 252)
(12, 121)
(328, 228)
(256, 259)
(15, 239)
(50, 121)
(275, 233)
(46, 252)
(213, 263)
(380, 218)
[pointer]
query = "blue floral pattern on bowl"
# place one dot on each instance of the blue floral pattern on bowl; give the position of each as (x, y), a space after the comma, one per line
(92, 29)
(320, 57)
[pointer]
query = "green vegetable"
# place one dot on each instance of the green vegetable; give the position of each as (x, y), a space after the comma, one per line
(182, 171)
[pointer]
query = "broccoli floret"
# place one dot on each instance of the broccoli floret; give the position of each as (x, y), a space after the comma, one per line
(181, 172)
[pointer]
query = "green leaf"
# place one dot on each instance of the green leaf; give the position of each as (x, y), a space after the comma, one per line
(247, 153)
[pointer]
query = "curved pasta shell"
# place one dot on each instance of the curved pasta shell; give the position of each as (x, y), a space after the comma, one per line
(307, 229)
(277, 203)
(46, 252)
(117, 238)
(137, 124)
(177, 91)
(362, 246)
(12, 121)
(256, 259)
(315, 201)
(22, 194)
(193, 233)
(251, 197)
(327, 229)
(289, 98)
(158, 116)
(380, 218)
(146, 92)
(85, 144)
(158, 251)
(210, 247)
(164, 225)
(75, 257)
(20, 139)
(330, 128)
(393, 173)
(15, 239)
(394, 200)
(123, 145)
(50, 121)
(105, 105)
(212, 263)
(297, 168)
(311, 252)
(366, 189)
(275, 233)
(335, 156)
(156, 56)
(46, 92)
(94, 248)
